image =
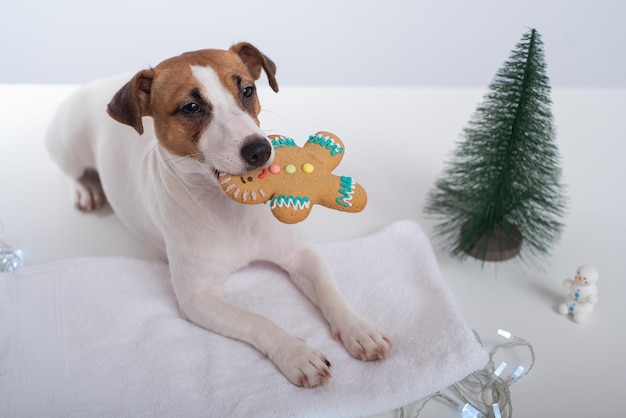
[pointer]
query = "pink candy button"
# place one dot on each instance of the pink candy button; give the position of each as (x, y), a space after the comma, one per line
(274, 169)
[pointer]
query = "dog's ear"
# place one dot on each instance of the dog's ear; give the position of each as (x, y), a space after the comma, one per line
(255, 61)
(132, 101)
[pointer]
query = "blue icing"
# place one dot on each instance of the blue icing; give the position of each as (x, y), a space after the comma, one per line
(297, 202)
(346, 191)
(283, 142)
(328, 143)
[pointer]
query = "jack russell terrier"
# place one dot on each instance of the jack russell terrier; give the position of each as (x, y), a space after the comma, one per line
(156, 157)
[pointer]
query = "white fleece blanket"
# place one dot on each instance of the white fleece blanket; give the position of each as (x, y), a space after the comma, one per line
(102, 337)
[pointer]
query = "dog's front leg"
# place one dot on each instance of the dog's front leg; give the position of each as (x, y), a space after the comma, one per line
(302, 365)
(311, 274)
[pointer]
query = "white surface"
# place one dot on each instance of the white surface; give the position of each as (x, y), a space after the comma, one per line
(106, 334)
(321, 42)
(397, 140)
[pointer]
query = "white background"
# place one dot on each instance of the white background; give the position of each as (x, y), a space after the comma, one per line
(331, 42)
(444, 46)
(397, 151)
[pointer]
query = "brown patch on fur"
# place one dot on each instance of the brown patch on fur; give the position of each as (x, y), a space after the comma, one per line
(163, 91)
(131, 102)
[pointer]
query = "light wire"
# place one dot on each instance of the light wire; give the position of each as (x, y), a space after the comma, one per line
(484, 393)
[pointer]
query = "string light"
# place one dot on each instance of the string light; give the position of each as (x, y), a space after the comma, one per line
(496, 411)
(484, 393)
(10, 258)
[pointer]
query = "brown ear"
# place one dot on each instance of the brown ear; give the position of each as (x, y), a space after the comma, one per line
(132, 101)
(255, 61)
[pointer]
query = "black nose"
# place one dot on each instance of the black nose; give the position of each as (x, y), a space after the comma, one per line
(256, 152)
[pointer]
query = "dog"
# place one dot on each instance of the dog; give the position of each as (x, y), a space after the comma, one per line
(153, 148)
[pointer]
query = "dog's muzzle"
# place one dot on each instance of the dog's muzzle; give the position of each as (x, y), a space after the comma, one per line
(256, 152)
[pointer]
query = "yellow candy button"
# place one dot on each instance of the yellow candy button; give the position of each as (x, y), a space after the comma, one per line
(290, 169)
(308, 168)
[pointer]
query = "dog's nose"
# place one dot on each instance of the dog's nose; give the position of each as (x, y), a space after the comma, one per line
(257, 152)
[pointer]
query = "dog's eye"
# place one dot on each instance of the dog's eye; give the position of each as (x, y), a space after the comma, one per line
(247, 92)
(191, 108)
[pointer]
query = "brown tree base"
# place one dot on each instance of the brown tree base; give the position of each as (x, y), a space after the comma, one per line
(500, 246)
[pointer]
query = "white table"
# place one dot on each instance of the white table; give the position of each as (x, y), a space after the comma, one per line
(397, 140)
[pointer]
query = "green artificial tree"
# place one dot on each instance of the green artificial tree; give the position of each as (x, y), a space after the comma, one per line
(501, 193)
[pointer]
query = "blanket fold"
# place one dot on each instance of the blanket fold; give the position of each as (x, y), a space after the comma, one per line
(102, 337)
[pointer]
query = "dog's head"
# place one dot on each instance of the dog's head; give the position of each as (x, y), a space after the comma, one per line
(204, 105)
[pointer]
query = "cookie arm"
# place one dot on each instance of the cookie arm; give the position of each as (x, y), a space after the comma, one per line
(325, 144)
(345, 195)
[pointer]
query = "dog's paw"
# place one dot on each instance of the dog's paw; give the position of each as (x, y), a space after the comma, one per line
(302, 365)
(362, 341)
(88, 192)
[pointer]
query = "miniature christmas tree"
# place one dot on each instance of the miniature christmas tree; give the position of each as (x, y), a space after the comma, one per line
(502, 188)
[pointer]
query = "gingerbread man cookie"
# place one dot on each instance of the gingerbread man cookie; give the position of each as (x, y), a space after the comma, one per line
(298, 178)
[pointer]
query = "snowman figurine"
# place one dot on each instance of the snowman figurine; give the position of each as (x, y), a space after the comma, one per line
(583, 294)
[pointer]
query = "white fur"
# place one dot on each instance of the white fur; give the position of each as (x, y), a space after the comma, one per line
(230, 125)
(175, 205)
